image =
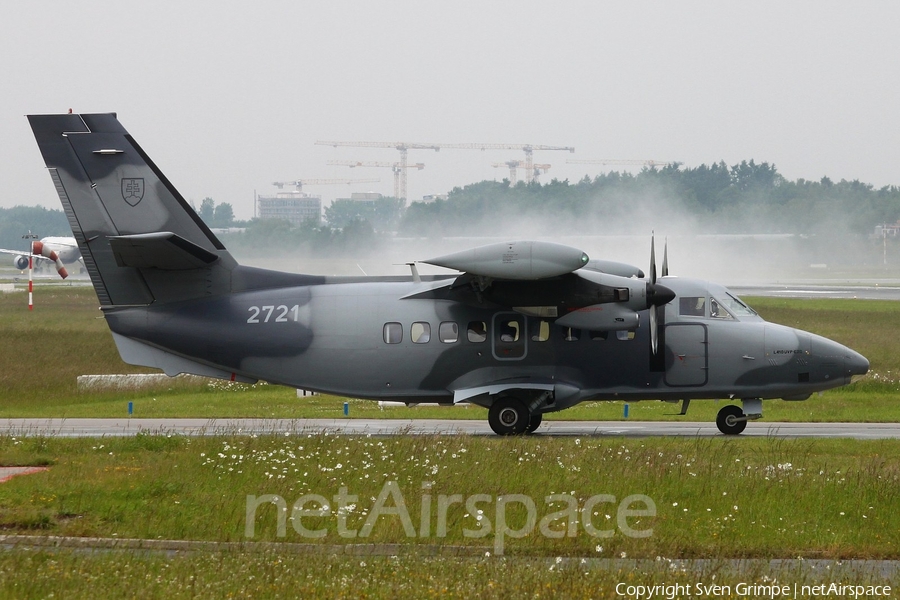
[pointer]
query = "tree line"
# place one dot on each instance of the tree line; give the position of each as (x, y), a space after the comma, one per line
(745, 198)
(748, 197)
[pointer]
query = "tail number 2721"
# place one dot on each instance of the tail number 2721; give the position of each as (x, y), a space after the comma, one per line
(283, 314)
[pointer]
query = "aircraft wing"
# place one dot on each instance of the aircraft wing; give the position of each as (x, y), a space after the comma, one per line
(16, 252)
(548, 280)
(24, 255)
(36, 256)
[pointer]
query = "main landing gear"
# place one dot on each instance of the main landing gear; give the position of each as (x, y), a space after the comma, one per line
(510, 416)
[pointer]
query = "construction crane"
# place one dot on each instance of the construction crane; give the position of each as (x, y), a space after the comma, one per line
(399, 170)
(515, 165)
(299, 183)
(616, 161)
(527, 148)
(403, 147)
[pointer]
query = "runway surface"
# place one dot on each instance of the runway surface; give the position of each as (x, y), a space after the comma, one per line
(388, 427)
(863, 291)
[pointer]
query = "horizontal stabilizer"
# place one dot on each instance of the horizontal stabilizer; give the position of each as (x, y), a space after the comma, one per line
(162, 250)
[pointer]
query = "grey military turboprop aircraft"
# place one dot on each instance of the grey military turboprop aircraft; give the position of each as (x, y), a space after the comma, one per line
(527, 328)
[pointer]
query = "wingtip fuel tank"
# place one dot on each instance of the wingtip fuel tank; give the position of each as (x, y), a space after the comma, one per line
(524, 260)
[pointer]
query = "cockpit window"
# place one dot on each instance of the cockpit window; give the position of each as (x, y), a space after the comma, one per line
(717, 310)
(737, 307)
(729, 307)
(692, 306)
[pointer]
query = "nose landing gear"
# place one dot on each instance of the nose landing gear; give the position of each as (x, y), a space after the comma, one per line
(732, 420)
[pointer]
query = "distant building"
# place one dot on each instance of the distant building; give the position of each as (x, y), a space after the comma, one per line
(433, 197)
(887, 230)
(296, 207)
(364, 197)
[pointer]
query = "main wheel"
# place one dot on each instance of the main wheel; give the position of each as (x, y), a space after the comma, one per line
(727, 420)
(508, 416)
(534, 422)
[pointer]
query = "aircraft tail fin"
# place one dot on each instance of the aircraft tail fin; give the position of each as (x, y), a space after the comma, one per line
(140, 240)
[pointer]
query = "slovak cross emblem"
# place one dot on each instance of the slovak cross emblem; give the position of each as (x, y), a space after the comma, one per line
(133, 190)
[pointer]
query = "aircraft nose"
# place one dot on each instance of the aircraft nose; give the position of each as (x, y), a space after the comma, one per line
(843, 360)
(857, 364)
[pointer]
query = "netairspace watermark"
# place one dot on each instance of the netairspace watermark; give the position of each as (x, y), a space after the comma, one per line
(662, 591)
(433, 521)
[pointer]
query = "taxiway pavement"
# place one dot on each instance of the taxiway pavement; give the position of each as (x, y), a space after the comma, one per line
(389, 427)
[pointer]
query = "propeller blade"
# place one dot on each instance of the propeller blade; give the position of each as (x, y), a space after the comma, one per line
(651, 293)
(665, 265)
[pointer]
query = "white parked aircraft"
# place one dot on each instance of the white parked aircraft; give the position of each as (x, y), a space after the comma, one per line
(65, 248)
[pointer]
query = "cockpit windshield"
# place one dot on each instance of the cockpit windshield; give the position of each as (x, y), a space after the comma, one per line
(723, 305)
(734, 306)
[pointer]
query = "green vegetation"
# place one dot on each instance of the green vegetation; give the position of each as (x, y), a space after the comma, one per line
(712, 497)
(835, 218)
(19, 220)
(744, 198)
(382, 214)
(215, 215)
(276, 574)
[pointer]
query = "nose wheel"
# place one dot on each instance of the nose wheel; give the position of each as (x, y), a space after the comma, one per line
(731, 420)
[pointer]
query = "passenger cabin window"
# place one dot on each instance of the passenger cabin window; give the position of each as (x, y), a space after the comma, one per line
(625, 335)
(692, 306)
(393, 333)
(599, 336)
(509, 338)
(509, 331)
(540, 330)
(448, 332)
(477, 331)
(420, 333)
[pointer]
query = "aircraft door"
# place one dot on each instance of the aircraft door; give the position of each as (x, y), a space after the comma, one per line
(689, 364)
(510, 339)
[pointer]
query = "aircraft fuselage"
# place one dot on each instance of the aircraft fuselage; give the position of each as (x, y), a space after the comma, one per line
(371, 340)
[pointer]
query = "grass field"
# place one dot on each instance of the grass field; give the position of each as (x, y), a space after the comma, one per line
(710, 497)
(96, 576)
(713, 498)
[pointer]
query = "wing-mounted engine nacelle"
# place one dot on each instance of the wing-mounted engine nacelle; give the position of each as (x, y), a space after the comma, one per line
(20, 262)
(624, 298)
(623, 291)
(601, 317)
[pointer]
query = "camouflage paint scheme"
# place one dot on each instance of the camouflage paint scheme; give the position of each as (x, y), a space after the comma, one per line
(175, 299)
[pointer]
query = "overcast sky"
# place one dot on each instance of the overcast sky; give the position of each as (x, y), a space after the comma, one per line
(229, 97)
